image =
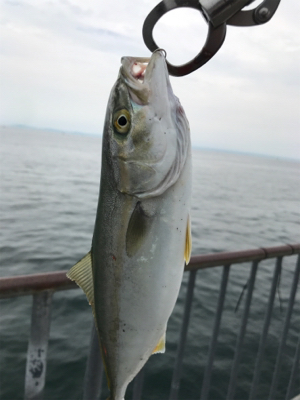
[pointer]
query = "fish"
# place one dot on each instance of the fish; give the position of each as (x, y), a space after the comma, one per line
(142, 233)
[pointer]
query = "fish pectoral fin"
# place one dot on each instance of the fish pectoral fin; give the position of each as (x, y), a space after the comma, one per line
(82, 274)
(161, 345)
(188, 242)
(137, 230)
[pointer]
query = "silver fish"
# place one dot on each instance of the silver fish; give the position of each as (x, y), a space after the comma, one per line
(142, 233)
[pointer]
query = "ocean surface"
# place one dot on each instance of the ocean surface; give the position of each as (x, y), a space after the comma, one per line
(49, 193)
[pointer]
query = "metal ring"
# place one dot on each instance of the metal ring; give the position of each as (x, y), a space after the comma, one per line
(163, 50)
(214, 41)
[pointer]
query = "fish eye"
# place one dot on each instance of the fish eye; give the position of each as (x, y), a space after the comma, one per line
(122, 121)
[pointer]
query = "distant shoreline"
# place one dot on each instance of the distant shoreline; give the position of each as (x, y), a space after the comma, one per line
(195, 146)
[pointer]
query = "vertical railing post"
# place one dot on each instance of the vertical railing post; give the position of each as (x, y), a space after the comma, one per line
(295, 370)
(94, 369)
(38, 345)
(264, 334)
(285, 330)
(239, 343)
(182, 337)
(138, 385)
(213, 341)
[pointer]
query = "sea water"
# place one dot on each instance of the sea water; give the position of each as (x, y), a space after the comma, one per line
(49, 193)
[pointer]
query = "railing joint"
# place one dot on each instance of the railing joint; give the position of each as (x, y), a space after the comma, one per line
(292, 248)
(265, 252)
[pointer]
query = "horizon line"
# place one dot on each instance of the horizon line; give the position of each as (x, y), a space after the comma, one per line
(194, 146)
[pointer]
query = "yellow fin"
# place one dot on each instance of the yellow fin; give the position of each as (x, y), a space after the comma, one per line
(82, 274)
(161, 345)
(188, 242)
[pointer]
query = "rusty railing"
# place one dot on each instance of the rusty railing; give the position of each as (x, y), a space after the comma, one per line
(42, 287)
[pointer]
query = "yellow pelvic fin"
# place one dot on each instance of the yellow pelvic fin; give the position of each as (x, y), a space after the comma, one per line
(188, 242)
(161, 345)
(82, 274)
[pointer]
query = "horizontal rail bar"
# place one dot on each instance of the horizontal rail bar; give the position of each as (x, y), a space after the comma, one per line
(236, 257)
(29, 284)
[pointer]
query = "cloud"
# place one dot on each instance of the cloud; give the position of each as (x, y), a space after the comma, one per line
(60, 58)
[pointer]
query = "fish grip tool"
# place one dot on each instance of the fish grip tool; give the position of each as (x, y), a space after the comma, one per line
(218, 14)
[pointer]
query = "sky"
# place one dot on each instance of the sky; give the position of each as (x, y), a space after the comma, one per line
(60, 58)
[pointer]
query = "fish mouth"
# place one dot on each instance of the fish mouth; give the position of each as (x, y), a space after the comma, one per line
(137, 72)
(138, 69)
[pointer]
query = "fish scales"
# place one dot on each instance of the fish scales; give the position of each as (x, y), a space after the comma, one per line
(142, 230)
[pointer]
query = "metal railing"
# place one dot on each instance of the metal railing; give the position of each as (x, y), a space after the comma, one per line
(42, 287)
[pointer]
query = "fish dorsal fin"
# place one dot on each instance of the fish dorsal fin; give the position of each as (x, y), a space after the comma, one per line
(82, 274)
(188, 242)
(161, 345)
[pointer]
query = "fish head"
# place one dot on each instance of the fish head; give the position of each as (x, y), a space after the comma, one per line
(146, 134)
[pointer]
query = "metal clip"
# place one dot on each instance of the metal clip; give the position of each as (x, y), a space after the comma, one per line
(259, 15)
(217, 13)
(214, 41)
